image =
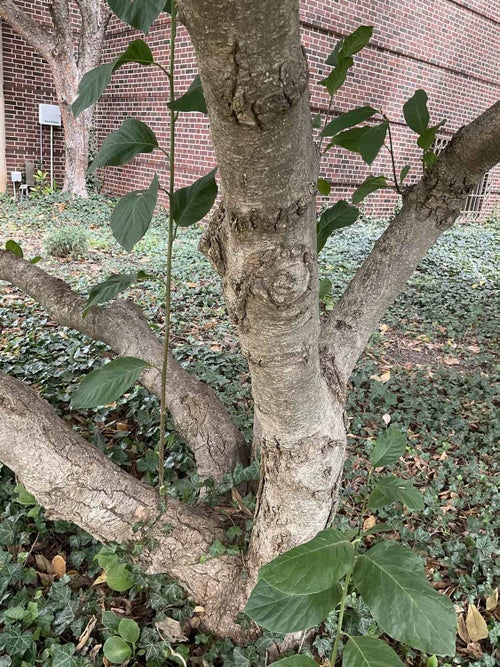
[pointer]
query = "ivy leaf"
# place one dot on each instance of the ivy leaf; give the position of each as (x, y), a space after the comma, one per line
(348, 119)
(14, 248)
(311, 567)
(279, 612)
(132, 215)
(192, 100)
(369, 652)
(94, 82)
(416, 113)
(349, 139)
(392, 582)
(296, 661)
(15, 642)
(108, 383)
(111, 287)
(64, 656)
(191, 204)
(139, 15)
(393, 489)
(337, 216)
(372, 141)
(369, 185)
(119, 147)
(323, 187)
(389, 447)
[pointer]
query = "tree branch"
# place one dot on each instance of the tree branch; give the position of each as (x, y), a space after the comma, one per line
(199, 415)
(39, 37)
(95, 18)
(429, 208)
(74, 481)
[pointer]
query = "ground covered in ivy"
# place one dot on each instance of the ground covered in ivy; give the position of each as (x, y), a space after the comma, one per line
(429, 370)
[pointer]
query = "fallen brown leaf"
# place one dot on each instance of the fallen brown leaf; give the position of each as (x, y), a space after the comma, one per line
(476, 625)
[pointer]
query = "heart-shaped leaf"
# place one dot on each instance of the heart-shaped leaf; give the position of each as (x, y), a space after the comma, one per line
(132, 215)
(392, 582)
(369, 652)
(119, 147)
(108, 383)
(191, 204)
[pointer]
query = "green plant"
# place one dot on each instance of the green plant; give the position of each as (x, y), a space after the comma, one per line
(300, 588)
(66, 242)
(42, 186)
(121, 645)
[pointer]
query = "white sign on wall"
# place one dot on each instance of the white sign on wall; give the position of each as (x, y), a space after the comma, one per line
(49, 114)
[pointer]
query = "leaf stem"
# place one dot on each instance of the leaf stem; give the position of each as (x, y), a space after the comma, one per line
(171, 237)
(391, 151)
(327, 115)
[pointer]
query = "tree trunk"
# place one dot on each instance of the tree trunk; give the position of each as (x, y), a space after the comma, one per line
(263, 243)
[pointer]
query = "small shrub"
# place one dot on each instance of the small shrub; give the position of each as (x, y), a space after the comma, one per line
(66, 242)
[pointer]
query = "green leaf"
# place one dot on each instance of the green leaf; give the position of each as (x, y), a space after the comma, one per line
(129, 630)
(372, 141)
(369, 185)
(64, 656)
(111, 287)
(119, 578)
(392, 582)
(429, 159)
(276, 611)
(325, 288)
(296, 661)
(191, 204)
(416, 113)
(349, 139)
(404, 172)
(333, 58)
(393, 489)
(108, 383)
(337, 216)
(337, 76)
(324, 187)
(24, 497)
(14, 248)
(140, 15)
(369, 652)
(192, 100)
(426, 139)
(389, 447)
(120, 147)
(15, 642)
(311, 567)
(316, 121)
(116, 650)
(357, 40)
(110, 620)
(133, 213)
(36, 259)
(94, 82)
(348, 119)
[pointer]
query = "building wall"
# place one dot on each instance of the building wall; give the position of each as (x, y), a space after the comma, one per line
(447, 47)
(28, 83)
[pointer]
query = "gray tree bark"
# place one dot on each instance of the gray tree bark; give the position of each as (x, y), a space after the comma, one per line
(69, 59)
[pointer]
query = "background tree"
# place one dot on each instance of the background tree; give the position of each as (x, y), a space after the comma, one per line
(262, 241)
(71, 46)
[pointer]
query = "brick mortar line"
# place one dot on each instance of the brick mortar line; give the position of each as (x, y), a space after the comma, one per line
(476, 12)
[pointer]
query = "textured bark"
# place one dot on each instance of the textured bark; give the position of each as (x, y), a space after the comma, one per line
(74, 481)
(198, 414)
(429, 208)
(69, 59)
(263, 243)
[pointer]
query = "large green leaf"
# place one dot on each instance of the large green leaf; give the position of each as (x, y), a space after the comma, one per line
(108, 383)
(369, 185)
(372, 141)
(15, 642)
(296, 661)
(338, 75)
(140, 15)
(324, 187)
(111, 287)
(392, 582)
(389, 447)
(64, 656)
(349, 139)
(369, 652)
(191, 204)
(119, 147)
(116, 650)
(94, 82)
(279, 612)
(311, 567)
(337, 216)
(416, 113)
(357, 40)
(132, 215)
(393, 489)
(348, 119)
(192, 100)
(426, 139)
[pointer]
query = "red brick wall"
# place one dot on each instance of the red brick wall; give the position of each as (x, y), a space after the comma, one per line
(27, 83)
(447, 47)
